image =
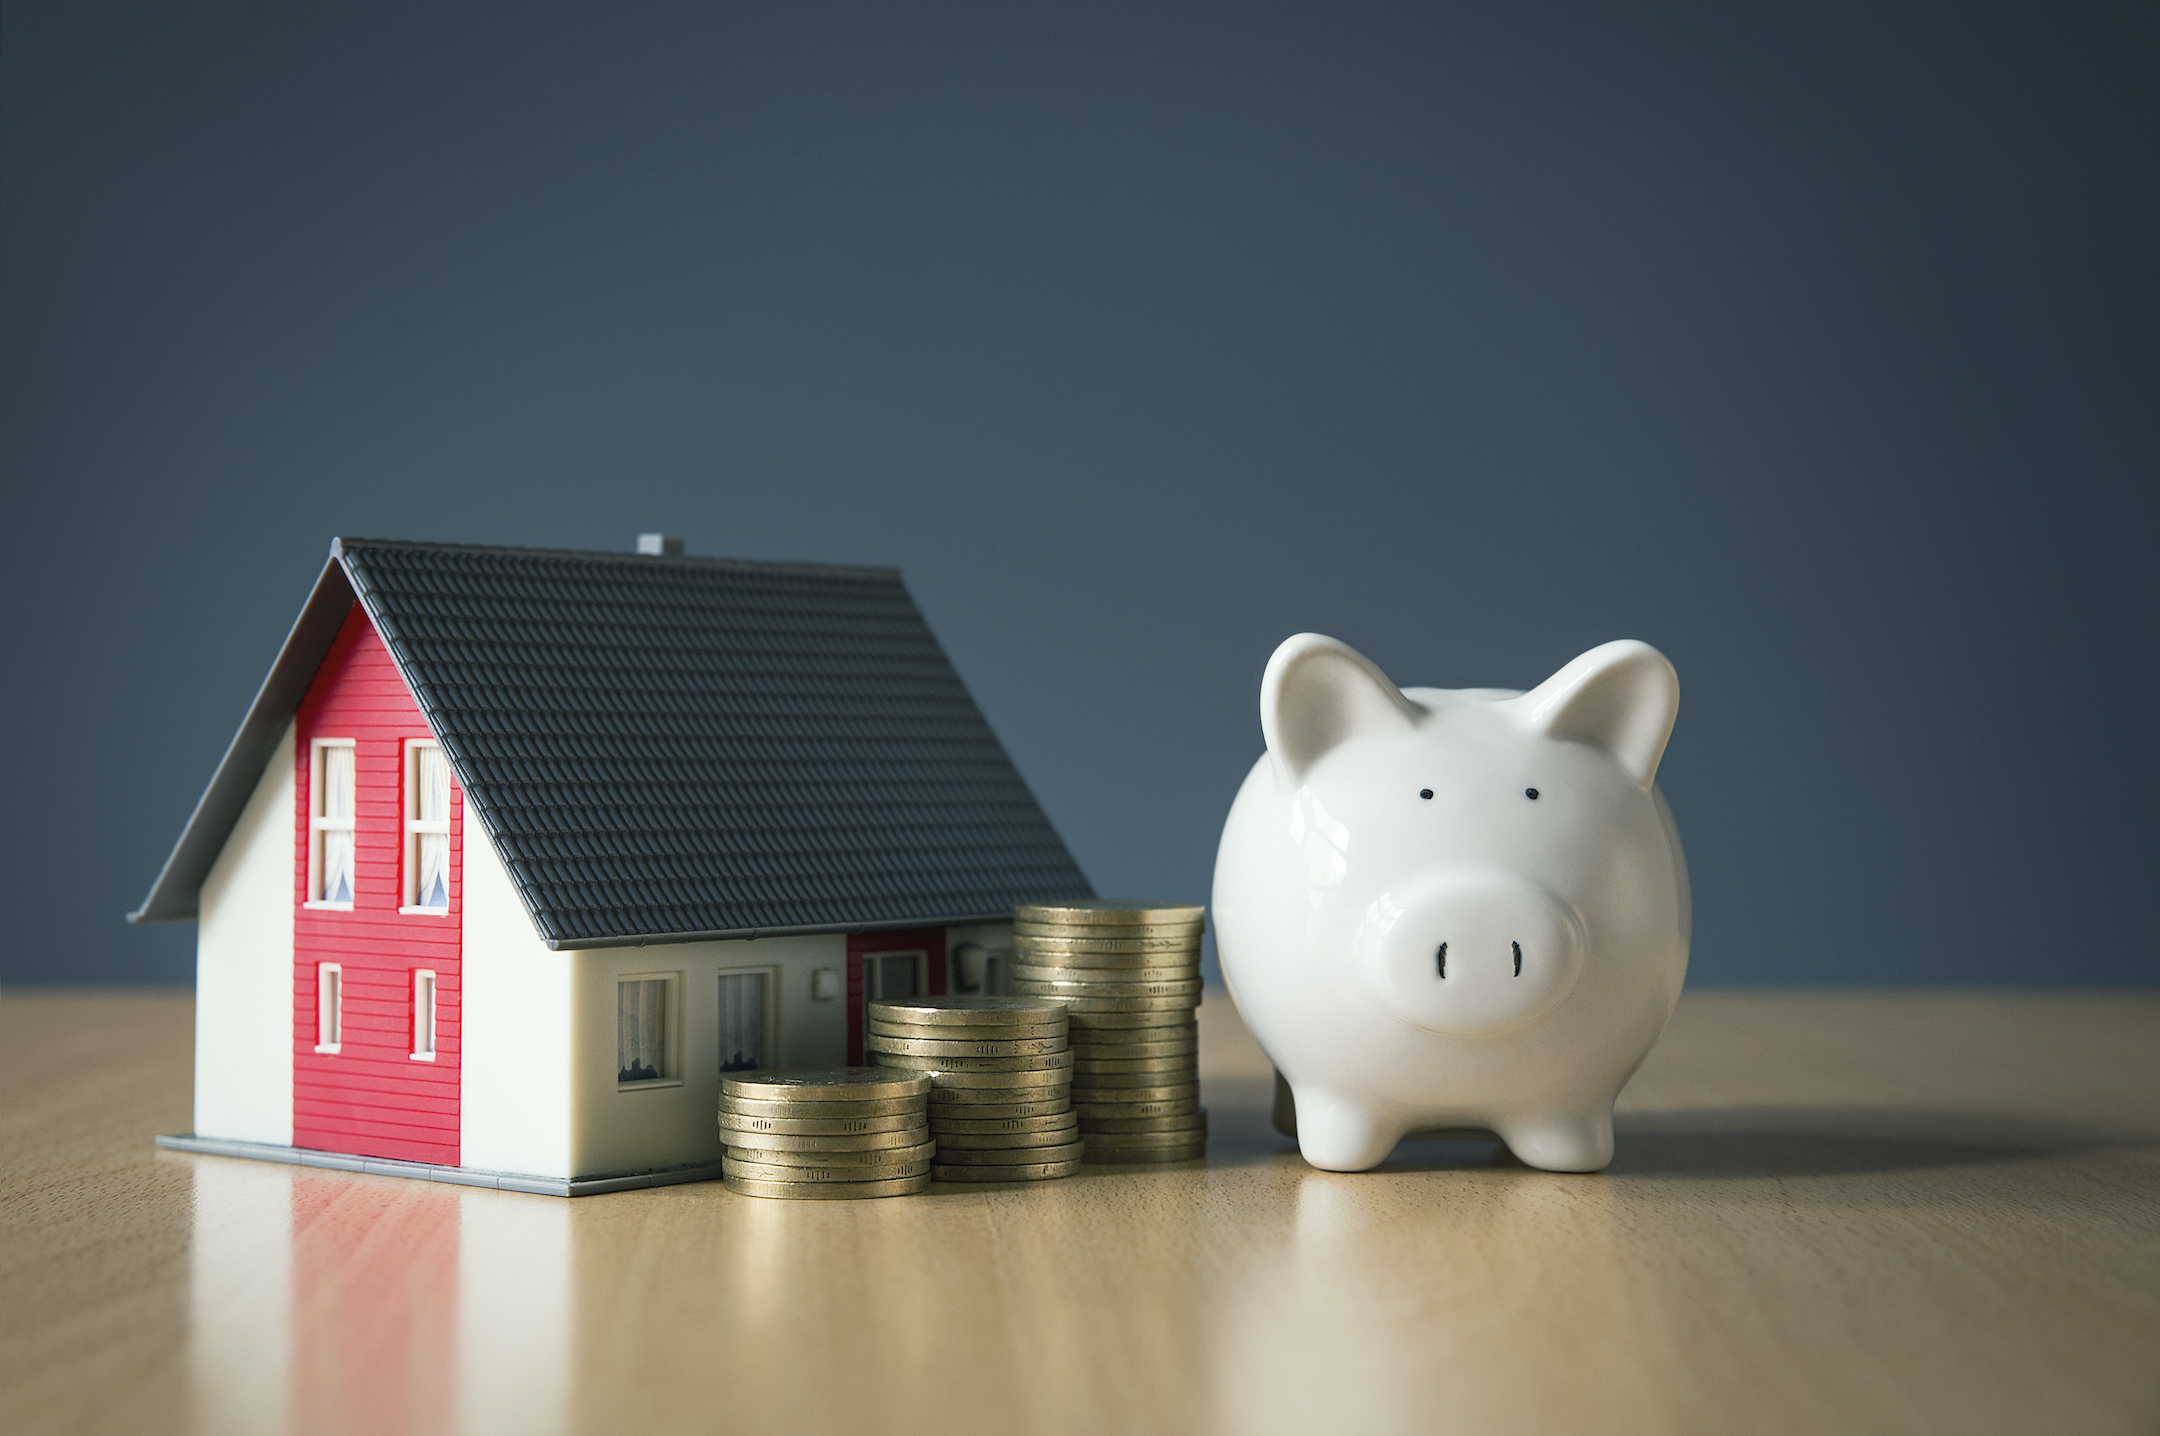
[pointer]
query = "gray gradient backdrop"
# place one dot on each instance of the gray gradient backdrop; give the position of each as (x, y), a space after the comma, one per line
(1814, 345)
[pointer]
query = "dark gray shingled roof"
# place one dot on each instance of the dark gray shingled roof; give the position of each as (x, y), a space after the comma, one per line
(672, 748)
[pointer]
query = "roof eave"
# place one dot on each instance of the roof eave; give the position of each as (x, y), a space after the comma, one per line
(751, 933)
(175, 896)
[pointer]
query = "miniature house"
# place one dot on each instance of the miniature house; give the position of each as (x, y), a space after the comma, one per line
(517, 851)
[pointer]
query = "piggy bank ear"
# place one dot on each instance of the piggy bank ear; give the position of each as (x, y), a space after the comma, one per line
(1317, 693)
(1622, 696)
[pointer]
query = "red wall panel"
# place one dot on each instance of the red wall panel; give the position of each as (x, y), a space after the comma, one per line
(371, 1098)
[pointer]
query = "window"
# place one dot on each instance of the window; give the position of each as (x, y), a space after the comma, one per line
(742, 1021)
(645, 1031)
(893, 974)
(423, 1016)
(329, 1006)
(330, 824)
(427, 829)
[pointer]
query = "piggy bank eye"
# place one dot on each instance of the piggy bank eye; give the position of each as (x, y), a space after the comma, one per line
(1424, 792)
(1530, 793)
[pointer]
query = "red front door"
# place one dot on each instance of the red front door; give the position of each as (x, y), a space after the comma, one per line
(906, 962)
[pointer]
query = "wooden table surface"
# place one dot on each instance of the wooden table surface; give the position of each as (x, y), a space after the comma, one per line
(1849, 1213)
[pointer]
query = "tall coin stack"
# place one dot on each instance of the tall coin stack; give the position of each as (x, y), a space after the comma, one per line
(844, 1132)
(999, 1070)
(1128, 976)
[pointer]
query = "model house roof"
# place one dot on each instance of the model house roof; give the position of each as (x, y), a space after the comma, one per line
(667, 748)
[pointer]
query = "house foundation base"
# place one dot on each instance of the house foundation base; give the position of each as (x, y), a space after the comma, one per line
(456, 1176)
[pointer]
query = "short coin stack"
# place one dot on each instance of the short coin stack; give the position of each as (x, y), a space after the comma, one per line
(843, 1132)
(1128, 975)
(998, 1069)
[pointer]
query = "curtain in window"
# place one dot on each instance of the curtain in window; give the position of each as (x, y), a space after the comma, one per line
(641, 1029)
(742, 1021)
(434, 796)
(337, 841)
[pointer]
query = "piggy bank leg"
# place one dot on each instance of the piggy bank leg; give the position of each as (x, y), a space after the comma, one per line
(1336, 1135)
(1565, 1142)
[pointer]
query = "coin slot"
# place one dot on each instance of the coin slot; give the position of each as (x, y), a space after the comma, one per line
(1443, 961)
(1518, 957)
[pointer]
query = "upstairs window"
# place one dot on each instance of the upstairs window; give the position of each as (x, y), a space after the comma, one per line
(330, 824)
(427, 828)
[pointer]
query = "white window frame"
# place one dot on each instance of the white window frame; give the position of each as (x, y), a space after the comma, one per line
(329, 1007)
(414, 827)
(423, 1033)
(318, 824)
(670, 1038)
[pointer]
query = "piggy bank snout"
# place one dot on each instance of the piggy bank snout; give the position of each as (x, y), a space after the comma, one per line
(1468, 953)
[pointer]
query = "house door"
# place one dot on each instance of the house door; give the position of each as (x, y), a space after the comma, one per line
(906, 963)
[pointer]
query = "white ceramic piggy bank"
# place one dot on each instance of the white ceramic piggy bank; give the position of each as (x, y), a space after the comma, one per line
(1445, 909)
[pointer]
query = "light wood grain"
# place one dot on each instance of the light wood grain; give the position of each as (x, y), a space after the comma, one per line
(1851, 1213)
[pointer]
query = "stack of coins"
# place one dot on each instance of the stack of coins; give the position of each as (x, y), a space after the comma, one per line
(844, 1132)
(999, 1070)
(1128, 975)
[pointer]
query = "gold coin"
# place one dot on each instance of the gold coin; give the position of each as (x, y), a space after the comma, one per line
(1095, 1068)
(1092, 1112)
(1183, 1122)
(921, 1047)
(818, 1126)
(827, 1191)
(972, 1111)
(833, 1084)
(914, 1032)
(1076, 982)
(1089, 1005)
(1023, 1172)
(1143, 1157)
(1030, 1062)
(1158, 1090)
(861, 1142)
(999, 1156)
(1091, 1024)
(767, 1172)
(944, 1127)
(1035, 1077)
(1109, 912)
(1122, 1051)
(962, 1011)
(1119, 932)
(922, 1150)
(1136, 950)
(875, 1107)
(951, 1142)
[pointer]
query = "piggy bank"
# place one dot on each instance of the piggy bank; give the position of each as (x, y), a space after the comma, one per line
(1448, 909)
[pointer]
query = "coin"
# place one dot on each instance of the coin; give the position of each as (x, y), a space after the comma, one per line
(1030, 1062)
(1135, 1066)
(943, 1112)
(1076, 982)
(862, 1142)
(1040, 1077)
(962, 1011)
(875, 1107)
(818, 1126)
(990, 1156)
(1017, 1172)
(1101, 1082)
(1109, 912)
(951, 1144)
(1078, 1005)
(1160, 1091)
(966, 1126)
(922, 1149)
(827, 1191)
(767, 1172)
(1119, 932)
(1138, 1156)
(1093, 1112)
(1127, 949)
(1115, 1051)
(1182, 1122)
(1087, 1024)
(930, 1047)
(925, 1032)
(833, 1084)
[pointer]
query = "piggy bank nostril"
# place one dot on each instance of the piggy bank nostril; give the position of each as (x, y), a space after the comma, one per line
(1518, 957)
(1443, 960)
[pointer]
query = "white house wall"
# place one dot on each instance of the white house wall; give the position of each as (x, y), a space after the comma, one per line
(516, 1029)
(621, 1129)
(243, 970)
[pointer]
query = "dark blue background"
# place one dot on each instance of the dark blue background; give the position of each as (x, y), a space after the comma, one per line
(1815, 345)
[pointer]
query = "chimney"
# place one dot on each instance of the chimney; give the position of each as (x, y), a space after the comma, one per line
(660, 545)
